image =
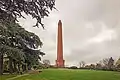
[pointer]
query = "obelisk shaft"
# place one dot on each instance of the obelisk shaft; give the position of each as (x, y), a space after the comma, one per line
(60, 61)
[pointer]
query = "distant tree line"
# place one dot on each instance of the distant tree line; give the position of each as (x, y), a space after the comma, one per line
(107, 64)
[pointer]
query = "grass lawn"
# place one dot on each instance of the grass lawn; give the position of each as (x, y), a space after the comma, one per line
(6, 76)
(65, 74)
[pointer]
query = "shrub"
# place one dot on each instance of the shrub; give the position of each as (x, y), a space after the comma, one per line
(73, 67)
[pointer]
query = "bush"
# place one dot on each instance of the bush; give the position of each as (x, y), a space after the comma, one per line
(73, 67)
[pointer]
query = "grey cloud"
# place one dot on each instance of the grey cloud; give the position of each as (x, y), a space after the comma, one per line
(91, 30)
(94, 52)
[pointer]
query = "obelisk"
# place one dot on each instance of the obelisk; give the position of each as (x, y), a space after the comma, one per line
(59, 61)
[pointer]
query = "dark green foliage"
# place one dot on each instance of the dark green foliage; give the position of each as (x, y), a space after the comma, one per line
(20, 46)
(17, 43)
(38, 9)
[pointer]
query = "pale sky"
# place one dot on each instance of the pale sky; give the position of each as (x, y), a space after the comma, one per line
(91, 30)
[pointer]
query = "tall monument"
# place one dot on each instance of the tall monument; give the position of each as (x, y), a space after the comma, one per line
(59, 61)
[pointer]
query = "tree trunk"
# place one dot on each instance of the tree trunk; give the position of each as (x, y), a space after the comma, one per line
(1, 63)
(18, 67)
(24, 67)
(15, 66)
(10, 65)
(29, 66)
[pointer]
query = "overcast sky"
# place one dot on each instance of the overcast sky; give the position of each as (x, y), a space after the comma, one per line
(91, 30)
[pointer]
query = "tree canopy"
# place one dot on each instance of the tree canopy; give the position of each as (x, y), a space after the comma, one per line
(20, 46)
(10, 10)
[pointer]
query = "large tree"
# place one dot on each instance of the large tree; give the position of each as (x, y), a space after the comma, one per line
(107, 63)
(14, 37)
(19, 42)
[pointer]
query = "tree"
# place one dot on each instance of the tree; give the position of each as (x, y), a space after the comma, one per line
(98, 66)
(82, 64)
(16, 56)
(10, 10)
(46, 63)
(118, 64)
(107, 63)
(33, 55)
(15, 42)
(104, 63)
(110, 63)
(12, 54)
(92, 66)
(1, 63)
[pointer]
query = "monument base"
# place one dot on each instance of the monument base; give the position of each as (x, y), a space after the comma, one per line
(60, 63)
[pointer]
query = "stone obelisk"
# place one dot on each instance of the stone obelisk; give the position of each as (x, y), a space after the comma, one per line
(59, 61)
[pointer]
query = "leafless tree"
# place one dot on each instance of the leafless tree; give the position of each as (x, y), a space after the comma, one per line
(82, 64)
(46, 63)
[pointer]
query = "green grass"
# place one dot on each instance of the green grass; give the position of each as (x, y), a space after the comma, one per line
(6, 76)
(64, 74)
